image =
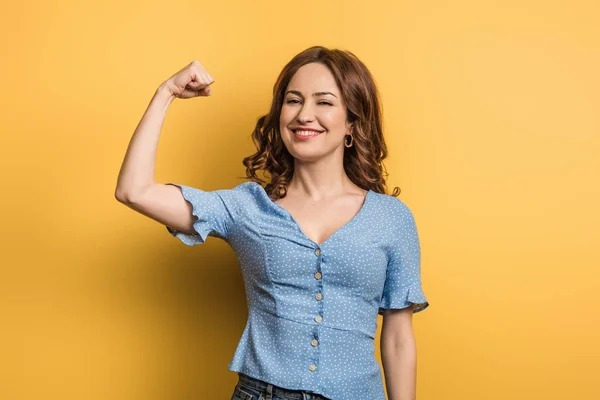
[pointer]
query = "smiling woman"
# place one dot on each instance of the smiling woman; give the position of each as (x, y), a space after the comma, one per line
(332, 92)
(323, 249)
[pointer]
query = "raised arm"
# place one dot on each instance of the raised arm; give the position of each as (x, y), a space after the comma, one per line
(136, 186)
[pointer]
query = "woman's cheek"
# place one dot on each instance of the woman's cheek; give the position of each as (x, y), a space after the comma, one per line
(285, 117)
(331, 117)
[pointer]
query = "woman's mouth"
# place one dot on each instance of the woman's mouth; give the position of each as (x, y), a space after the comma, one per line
(305, 134)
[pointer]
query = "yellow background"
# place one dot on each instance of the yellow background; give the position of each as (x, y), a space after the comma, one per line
(491, 113)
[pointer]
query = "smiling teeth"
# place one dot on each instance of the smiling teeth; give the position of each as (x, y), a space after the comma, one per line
(307, 133)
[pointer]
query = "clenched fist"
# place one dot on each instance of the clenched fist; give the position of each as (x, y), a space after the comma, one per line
(191, 81)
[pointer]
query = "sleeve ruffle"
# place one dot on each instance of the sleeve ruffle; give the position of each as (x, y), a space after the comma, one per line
(404, 297)
(202, 225)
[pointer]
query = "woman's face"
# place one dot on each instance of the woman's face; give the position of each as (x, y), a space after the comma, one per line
(313, 115)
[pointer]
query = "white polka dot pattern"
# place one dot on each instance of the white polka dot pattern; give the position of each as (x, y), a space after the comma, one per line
(313, 307)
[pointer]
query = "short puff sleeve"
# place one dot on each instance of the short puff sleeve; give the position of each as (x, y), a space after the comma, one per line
(214, 213)
(403, 286)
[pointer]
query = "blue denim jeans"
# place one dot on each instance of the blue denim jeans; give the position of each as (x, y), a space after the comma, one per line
(249, 388)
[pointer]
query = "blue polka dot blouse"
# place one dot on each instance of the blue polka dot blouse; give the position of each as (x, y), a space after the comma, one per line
(312, 308)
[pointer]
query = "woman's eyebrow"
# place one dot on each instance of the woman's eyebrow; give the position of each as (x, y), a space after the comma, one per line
(314, 94)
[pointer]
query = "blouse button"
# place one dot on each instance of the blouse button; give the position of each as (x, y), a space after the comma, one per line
(314, 342)
(318, 252)
(319, 296)
(312, 367)
(318, 275)
(318, 318)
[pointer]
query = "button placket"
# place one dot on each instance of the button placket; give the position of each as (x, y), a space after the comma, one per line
(315, 350)
(318, 318)
(319, 295)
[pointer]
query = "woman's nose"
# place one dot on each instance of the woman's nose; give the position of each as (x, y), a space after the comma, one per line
(305, 118)
(305, 114)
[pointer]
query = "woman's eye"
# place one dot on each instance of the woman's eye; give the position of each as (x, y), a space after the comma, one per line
(293, 101)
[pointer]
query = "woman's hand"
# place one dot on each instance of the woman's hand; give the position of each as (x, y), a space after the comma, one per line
(191, 81)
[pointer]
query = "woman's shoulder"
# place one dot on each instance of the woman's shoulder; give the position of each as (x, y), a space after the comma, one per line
(247, 186)
(243, 187)
(392, 206)
(387, 200)
(244, 194)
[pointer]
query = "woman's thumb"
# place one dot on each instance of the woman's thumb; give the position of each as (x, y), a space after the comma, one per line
(205, 91)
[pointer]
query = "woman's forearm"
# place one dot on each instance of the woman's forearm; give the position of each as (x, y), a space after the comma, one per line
(400, 369)
(137, 170)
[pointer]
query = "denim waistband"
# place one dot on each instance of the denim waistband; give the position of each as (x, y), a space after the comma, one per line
(276, 390)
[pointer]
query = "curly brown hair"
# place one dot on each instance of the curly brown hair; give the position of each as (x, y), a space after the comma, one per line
(363, 162)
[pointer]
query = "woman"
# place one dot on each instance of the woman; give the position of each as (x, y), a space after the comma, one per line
(322, 248)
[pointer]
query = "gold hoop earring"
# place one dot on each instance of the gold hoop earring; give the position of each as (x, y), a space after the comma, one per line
(351, 141)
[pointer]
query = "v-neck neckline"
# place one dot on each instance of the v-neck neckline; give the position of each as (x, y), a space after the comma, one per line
(299, 227)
